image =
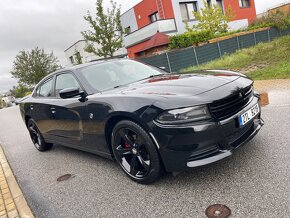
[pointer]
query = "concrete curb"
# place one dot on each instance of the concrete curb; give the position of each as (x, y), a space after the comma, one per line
(15, 191)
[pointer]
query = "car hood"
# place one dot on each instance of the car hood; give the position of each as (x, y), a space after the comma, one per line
(189, 84)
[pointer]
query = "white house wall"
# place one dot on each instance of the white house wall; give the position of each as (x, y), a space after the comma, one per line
(128, 19)
(238, 24)
(87, 57)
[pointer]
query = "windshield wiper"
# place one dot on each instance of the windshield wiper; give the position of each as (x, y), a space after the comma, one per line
(151, 76)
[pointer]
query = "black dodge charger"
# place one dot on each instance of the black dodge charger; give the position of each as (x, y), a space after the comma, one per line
(143, 117)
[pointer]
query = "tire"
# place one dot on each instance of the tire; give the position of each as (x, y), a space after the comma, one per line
(135, 152)
(36, 137)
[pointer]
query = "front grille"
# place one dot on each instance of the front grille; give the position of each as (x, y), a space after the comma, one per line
(243, 136)
(204, 153)
(226, 107)
(234, 137)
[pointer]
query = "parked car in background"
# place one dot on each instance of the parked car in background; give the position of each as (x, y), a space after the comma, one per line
(8, 100)
(143, 117)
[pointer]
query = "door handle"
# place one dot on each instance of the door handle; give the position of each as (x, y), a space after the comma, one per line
(53, 110)
(31, 107)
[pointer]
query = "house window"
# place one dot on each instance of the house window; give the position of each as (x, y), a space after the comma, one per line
(186, 9)
(220, 4)
(154, 17)
(128, 30)
(244, 3)
(208, 2)
(71, 58)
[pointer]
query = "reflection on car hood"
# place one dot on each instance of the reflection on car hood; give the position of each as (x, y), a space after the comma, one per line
(182, 84)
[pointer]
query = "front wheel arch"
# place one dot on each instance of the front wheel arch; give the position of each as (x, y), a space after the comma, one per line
(110, 124)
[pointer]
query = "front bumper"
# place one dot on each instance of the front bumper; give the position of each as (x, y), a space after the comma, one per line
(195, 145)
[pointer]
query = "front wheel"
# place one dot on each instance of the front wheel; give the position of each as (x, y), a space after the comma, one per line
(135, 152)
(36, 137)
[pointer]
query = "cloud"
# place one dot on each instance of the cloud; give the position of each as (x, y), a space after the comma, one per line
(50, 24)
(53, 25)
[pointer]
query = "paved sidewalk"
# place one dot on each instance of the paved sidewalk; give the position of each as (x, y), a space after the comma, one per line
(274, 92)
(12, 201)
(270, 85)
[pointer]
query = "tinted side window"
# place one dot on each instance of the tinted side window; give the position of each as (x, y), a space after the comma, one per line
(64, 81)
(44, 90)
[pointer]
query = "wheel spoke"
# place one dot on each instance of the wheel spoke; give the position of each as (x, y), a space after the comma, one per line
(123, 151)
(34, 139)
(133, 166)
(124, 135)
(38, 139)
(144, 163)
(31, 128)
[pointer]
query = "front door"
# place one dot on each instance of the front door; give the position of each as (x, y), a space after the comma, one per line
(68, 114)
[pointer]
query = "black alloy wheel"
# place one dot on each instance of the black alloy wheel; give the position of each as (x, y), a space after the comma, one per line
(36, 137)
(135, 152)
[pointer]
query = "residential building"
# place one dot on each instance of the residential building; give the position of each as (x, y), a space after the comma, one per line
(78, 49)
(149, 17)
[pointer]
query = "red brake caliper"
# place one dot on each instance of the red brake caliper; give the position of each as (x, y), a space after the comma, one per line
(127, 145)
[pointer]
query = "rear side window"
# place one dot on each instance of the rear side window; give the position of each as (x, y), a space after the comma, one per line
(64, 81)
(45, 89)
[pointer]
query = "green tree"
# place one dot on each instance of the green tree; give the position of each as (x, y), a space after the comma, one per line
(30, 67)
(106, 31)
(212, 18)
(20, 90)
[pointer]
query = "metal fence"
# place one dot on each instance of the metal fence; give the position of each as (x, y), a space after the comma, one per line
(174, 61)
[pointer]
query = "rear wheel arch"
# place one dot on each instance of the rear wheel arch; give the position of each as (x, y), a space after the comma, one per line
(27, 118)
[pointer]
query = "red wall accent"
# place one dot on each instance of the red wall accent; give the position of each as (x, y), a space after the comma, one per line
(168, 9)
(147, 7)
(134, 49)
(241, 13)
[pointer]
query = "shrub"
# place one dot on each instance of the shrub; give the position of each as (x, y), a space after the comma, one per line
(276, 19)
(189, 39)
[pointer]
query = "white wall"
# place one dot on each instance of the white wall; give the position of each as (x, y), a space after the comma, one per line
(87, 57)
(129, 19)
(238, 24)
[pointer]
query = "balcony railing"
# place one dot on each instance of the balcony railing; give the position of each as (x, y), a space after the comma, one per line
(163, 26)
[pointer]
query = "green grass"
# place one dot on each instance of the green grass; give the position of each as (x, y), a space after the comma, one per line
(269, 60)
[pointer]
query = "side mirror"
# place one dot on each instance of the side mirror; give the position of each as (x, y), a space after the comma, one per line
(71, 92)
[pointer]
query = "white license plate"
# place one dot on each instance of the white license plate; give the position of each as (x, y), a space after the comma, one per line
(248, 115)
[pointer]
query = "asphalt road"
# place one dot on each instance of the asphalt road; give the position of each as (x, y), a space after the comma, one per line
(254, 182)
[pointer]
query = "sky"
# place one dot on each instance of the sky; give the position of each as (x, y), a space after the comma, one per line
(53, 25)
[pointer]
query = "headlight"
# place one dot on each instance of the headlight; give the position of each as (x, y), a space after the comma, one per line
(184, 115)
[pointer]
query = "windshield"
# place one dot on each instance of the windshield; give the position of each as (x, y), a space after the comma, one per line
(109, 75)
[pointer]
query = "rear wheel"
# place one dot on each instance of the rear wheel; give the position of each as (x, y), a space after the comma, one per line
(36, 137)
(135, 152)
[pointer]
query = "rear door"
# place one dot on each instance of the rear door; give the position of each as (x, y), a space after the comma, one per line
(39, 108)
